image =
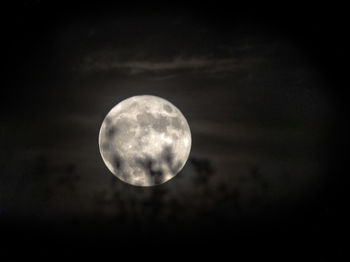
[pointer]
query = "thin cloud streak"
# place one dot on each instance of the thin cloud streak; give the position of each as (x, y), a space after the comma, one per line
(134, 67)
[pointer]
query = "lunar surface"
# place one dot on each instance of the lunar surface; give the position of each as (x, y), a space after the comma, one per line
(145, 140)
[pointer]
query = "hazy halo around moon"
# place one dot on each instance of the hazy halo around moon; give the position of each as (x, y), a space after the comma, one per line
(145, 140)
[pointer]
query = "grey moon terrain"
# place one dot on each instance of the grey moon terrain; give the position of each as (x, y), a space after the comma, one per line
(145, 140)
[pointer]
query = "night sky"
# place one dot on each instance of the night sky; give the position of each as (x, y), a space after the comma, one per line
(262, 90)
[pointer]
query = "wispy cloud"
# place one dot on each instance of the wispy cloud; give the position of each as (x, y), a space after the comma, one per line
(170, 67)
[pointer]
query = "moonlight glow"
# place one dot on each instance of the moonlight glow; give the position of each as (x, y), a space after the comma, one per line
(145, 140)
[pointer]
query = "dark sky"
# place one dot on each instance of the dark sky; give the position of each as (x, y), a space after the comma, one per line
(262, 90)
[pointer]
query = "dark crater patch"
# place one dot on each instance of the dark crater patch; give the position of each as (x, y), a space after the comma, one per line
(167, 108)
(111, 131)
(135, 104)
(176, 123)
(160, 124)
(145, 119)
(124, 125)
(105, 146)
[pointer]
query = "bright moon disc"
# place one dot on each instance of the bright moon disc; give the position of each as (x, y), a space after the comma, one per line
(145, 140)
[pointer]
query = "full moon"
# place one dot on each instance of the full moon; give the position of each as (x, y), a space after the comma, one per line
(145, 140)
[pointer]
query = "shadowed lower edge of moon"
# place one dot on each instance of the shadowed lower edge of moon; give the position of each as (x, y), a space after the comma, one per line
(158, 171)
(154, 168)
